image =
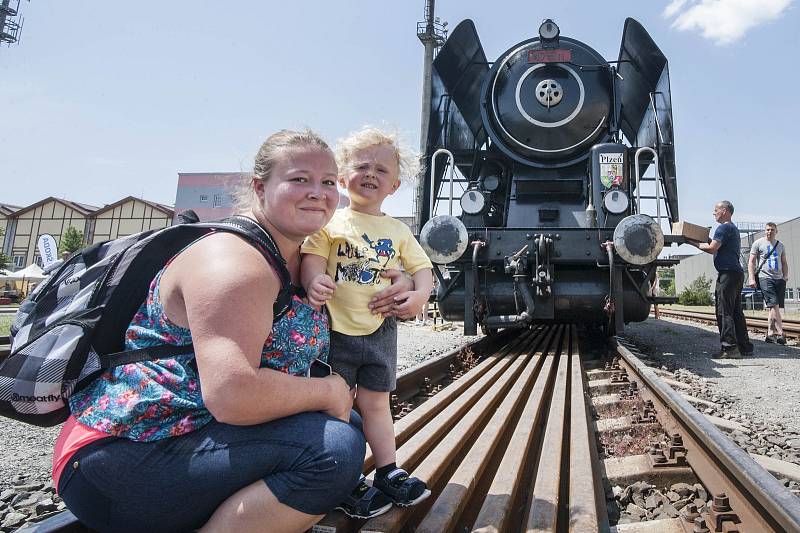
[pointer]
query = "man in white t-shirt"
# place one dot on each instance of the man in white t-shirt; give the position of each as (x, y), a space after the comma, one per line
(769, 271)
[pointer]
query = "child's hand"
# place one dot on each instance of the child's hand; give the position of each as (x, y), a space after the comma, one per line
(320, 290)
(414, 300)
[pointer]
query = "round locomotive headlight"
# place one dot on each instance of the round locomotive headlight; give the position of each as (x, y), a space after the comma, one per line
(638, 239)
(616, 202)
(549, 31)
(444, 238)
(473, 202)
(490, 183)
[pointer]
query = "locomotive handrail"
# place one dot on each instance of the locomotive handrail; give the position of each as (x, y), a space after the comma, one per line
(452, 161)
(638, 179)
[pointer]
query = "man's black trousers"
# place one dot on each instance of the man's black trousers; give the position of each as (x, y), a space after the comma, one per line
(730, 318)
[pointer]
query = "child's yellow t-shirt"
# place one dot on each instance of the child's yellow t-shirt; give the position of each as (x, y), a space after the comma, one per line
(358, 247)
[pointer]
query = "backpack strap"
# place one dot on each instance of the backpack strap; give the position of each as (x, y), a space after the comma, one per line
(144, 354)
(258, 237)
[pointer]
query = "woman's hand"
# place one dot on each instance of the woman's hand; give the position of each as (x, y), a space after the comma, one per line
(340, 398)
(387, 302)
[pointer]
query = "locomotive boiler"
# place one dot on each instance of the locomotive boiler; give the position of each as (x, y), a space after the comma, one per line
(537, 204)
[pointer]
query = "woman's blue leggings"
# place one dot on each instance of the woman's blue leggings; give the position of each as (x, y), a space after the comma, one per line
(309, 461)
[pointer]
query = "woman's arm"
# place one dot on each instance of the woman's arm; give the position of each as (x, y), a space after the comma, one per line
(223, 290)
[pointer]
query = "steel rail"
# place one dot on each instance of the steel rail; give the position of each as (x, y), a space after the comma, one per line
(412, 382)
(497, 509)
(583, 498)
(761, 502)
(791, 328)
(440, 451)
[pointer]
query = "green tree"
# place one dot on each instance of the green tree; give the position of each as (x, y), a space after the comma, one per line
(697, 292)
(71, 240)
(666, 281)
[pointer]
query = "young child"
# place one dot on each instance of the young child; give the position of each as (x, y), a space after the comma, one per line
(341, 267)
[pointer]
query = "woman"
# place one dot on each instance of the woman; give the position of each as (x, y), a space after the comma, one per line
(229, 438)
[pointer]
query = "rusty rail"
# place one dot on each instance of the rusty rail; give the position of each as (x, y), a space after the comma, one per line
(507, 449)
(791, 328)
(749, 498)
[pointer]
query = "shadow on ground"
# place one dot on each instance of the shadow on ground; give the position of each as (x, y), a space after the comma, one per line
(678, 344)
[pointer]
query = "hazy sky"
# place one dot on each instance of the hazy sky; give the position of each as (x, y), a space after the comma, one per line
(104, 99)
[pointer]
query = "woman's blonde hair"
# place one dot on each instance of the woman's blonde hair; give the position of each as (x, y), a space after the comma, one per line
(274, 150)
(407, 159)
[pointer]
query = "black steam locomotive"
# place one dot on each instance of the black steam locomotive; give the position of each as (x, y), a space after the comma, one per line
(550, 144)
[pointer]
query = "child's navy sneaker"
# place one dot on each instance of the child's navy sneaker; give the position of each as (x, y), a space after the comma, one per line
(402, 489)
(365, 501)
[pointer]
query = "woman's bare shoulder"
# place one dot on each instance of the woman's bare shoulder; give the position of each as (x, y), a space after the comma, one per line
(226, 259)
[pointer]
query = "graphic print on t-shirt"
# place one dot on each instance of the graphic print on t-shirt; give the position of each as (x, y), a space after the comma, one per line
(772, 254)
(363, 264)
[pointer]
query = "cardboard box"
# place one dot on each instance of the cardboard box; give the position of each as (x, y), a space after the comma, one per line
(691, 231)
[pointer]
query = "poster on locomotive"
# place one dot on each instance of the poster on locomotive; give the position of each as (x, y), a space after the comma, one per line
(611, 170)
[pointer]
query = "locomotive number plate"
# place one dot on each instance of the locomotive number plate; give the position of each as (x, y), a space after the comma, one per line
(558, 55)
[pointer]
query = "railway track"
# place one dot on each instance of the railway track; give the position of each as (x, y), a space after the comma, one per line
(508, 434)
(791, 328)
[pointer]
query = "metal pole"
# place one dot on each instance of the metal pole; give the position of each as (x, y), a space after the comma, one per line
(428, 38)
(3, 12)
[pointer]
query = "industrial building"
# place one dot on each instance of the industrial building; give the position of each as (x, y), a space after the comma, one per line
(693, 266)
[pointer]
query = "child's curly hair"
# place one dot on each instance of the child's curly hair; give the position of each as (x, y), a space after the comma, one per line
(407, 159)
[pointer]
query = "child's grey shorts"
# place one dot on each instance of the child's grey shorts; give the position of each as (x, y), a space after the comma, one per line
(369, 361)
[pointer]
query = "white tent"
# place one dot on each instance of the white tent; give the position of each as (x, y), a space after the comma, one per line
(31, 272)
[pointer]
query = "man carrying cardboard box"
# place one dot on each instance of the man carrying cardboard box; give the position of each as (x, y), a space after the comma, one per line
(725, 246)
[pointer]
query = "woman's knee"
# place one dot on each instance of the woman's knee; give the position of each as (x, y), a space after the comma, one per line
(347, 446)
(327, 472)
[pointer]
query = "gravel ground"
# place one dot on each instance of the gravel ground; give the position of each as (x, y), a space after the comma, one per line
(764, 387)
(27, 450)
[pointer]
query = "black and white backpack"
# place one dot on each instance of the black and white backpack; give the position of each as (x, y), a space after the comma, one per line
(72, 326)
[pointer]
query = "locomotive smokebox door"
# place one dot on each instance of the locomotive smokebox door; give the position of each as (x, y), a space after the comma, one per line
(610, 183)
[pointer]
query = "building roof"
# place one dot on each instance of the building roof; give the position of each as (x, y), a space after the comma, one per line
(7, 209)
(84, 209)
(166, 209)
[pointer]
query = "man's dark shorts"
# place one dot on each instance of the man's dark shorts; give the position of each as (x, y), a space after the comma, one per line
(369, 361)
(774, 291)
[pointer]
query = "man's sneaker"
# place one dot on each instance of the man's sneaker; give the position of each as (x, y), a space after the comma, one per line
(769, 339)
(780, 339)
(401, 489)
(729, 353)
(365, 501)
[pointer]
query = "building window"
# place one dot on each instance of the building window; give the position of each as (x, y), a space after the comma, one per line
(38, 261)
(217, 200)
(19, 261)
(790, 294)
(203, 197)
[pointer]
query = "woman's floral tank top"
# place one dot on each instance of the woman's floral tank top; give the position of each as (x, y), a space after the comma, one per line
(152, 400)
